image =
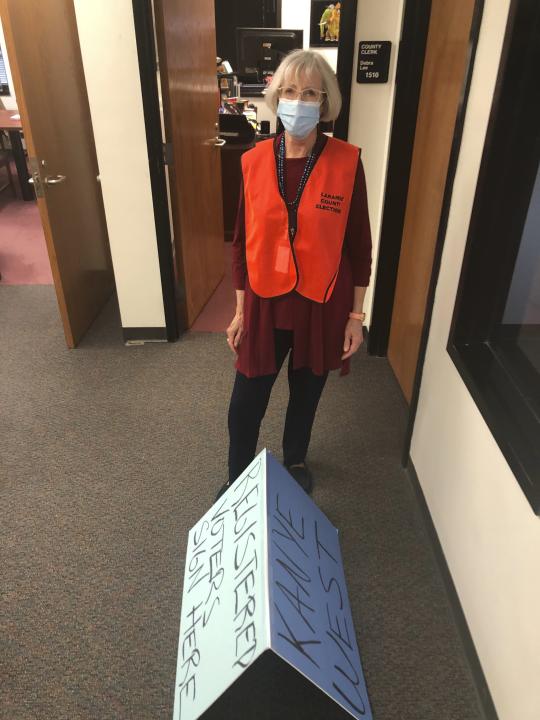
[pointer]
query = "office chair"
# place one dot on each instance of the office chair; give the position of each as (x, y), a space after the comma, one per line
(5, 162)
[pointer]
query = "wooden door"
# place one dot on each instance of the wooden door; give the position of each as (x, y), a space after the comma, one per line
(186, 37)
(43, 48)
(442, 83)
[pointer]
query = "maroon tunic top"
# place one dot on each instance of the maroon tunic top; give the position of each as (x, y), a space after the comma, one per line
(319, 328)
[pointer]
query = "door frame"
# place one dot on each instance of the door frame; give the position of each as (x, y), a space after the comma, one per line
(443, 224)
(157, 159)
(345, 61)
(409, 74)
(409, 71)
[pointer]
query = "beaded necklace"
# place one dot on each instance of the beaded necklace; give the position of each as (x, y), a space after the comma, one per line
(281, 173)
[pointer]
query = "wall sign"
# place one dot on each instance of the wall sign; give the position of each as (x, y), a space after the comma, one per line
(264, 575)
(373, 61)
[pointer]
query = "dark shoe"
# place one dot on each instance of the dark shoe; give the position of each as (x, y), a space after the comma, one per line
(222, 490)
(303, 477)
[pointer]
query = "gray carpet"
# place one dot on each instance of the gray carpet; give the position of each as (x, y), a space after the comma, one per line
(110, 454)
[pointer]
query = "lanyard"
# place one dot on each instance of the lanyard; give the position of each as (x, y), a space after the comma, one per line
(281, 173)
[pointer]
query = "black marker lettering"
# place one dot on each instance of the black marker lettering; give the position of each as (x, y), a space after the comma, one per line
(297, 603)
(245, 531)
(293, 569)
(321, 546)
(289, 520)
(253, 561)
(238, 515)
(192, 659)
(297, 644)
(288, 536)
(239, 561)
(336, 631)
(333, 581)
(245, 510)
(189, 645)
(246, 611)
(208, 615)
(242, 483)
(196, 566)
(361, 710)
(354, 682)
(185, 687)
(204, 527)
(247, 656)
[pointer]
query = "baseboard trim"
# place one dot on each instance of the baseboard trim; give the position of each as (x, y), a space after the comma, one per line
(142, 334)
(485, 700)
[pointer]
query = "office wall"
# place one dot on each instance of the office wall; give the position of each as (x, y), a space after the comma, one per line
(295, 15)
(8, 101)
(370, 117)
(109, 53)
(489, 534)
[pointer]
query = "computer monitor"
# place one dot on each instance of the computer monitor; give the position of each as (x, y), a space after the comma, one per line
(259, 51)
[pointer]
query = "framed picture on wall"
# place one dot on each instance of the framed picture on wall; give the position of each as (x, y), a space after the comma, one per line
(324, 23)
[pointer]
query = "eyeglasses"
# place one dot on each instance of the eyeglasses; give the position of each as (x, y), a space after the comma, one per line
(307, 94)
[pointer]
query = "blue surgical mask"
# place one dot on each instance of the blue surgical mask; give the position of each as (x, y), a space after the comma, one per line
(299, 117)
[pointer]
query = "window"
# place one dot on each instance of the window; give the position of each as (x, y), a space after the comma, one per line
(4, 86)
(495, 335)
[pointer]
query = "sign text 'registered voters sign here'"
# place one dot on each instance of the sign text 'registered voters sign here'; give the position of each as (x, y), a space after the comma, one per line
(265, 616)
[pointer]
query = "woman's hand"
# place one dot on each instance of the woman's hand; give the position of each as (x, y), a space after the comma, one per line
(235, 332)
(354, 337)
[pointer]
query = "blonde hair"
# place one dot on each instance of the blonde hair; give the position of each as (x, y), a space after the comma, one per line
(309, 63)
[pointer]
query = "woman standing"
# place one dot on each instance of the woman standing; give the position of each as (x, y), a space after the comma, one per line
(301, 263)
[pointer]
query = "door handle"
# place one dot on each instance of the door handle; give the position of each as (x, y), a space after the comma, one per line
(54, 179)
(215, 141)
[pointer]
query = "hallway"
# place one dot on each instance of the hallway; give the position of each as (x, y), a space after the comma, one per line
(110, 454)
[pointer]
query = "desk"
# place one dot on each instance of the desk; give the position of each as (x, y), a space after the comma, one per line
(231, 178)
(14, 130)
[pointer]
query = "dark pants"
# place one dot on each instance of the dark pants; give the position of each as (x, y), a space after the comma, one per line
(249, 401)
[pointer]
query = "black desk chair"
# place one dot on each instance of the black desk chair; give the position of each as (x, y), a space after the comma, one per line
(5, 162)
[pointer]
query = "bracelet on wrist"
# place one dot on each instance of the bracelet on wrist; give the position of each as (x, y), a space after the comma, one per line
(357, 316)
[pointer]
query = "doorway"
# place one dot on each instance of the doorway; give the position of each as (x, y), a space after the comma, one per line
(52, 102)
(196, 155)
(23, 251)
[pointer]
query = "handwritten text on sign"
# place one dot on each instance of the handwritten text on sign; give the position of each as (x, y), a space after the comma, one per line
(310, 616)
(264, 572)
(222, 624)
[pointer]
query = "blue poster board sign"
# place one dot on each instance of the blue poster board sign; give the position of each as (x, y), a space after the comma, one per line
(264, 575)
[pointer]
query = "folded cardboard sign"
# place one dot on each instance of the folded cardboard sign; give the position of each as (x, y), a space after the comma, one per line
(264, 575)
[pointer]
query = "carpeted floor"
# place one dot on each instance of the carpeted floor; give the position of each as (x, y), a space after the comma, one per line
(110, 454)
(23, 251)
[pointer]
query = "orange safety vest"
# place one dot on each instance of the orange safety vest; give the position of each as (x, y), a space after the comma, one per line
(309, 263)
